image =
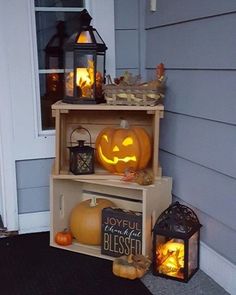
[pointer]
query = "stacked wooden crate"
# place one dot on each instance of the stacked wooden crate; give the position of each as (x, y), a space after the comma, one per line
(68, 189)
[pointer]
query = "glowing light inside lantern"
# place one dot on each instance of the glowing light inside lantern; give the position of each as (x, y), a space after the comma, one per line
(170, 258)
(84, 37)
(85, 79)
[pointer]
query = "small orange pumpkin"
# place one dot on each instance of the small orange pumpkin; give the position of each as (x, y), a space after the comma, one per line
(123, 148)
(86, 219)
(63, 238)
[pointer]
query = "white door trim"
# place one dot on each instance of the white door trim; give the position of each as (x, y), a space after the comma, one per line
(8, 191)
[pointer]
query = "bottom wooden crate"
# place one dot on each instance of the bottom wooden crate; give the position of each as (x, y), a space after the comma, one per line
(150, 200)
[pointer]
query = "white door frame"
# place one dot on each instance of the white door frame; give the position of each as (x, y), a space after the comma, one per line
(8, 191)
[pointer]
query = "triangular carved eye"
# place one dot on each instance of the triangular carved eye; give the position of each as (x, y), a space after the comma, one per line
(128, 141)
(105, 137)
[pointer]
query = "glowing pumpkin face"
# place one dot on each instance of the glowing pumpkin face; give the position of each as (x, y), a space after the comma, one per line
(122, 148)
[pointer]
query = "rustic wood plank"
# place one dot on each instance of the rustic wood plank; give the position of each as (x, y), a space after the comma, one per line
(156, 135)
(58, 141)
(59, 105)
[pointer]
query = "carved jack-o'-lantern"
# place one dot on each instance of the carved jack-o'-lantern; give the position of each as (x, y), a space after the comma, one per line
(123, 148)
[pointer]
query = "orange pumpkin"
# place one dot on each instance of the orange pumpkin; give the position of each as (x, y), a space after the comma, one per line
(63, 238)
(123, 148)
(86, 218)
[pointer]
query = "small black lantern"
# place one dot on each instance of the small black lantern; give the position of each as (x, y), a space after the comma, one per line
(84, 64)
(176, 237)
(81, 156)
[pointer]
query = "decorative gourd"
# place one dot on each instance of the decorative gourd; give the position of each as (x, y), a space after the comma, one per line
(63, 238)
(85, 220)
(131, 267)
(123, 148)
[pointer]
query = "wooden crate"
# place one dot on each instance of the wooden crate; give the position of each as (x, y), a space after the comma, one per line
(95, 118)
(66, 193)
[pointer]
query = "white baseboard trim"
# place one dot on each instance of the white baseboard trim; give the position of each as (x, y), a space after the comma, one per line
(213, 264)
(34, 222)
(221, 270)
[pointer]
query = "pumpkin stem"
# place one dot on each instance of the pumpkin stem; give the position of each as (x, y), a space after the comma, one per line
(124, 124)
(93, 202)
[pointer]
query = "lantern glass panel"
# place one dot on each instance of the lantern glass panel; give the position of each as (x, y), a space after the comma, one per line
(85, 74)
(69, 73)
(193, 253)
(97, 37)
(169, 256)
(100, 75)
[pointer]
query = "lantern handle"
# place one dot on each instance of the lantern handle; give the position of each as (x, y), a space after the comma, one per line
(80, 128)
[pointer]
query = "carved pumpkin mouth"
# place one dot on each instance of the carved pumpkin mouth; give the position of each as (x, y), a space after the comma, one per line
(115, 159)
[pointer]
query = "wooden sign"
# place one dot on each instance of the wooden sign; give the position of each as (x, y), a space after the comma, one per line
(121, 232)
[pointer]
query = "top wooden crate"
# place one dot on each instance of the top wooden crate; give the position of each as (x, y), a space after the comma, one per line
(95, 118)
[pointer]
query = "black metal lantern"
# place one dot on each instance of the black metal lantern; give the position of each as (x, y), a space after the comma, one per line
(81, 156)
(54, 60)
(84, 64)
(176, 237)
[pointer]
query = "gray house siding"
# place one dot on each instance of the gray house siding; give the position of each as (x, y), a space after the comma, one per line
(198, 143)
(129, 36)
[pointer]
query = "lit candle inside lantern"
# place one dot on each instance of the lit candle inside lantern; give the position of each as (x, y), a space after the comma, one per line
(170, 258)
(85, 80)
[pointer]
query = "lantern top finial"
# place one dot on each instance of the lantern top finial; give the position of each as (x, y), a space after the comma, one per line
(84, 18)
(177, 219)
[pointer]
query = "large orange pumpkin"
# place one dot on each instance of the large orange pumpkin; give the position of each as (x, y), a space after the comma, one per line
(86, 218)
(123, 148)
